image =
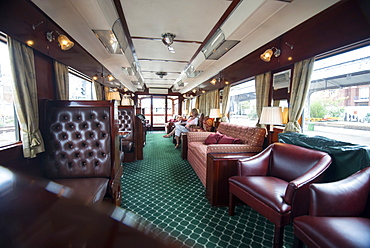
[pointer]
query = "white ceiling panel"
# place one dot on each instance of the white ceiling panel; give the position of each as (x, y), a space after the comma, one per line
(190, 20)
(168, 66)
(255, 23)
(154, 49)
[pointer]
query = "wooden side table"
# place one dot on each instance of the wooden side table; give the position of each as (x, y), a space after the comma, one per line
(221, 166)
(184, 145)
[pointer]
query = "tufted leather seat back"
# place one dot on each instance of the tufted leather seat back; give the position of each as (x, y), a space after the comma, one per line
(126, 118)
(78, 141)
(126, 123)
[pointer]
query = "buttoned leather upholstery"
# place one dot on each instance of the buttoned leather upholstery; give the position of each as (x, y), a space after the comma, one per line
(339, 214)
(80, 148)
(126, 123)
(275, 183)
(126, 117)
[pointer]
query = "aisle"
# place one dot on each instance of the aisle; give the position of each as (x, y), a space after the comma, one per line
(165, 190)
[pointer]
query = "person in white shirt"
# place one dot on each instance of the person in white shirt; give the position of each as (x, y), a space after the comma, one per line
(181, 128)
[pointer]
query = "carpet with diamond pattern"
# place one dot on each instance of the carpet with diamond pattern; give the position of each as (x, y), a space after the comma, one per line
(164, 190)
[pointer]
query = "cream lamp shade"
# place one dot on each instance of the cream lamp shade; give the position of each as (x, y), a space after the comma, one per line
(214, 113)
(126, 102)
(285, 115)
(271, 116)
(113, 95)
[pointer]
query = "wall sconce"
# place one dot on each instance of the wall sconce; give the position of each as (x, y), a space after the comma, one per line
(64, 42)
(110, 77)
(266, 56)
(213, 81)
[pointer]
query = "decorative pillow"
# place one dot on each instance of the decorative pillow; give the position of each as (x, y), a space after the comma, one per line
(207, 124)
(212, 139)
(226, 140)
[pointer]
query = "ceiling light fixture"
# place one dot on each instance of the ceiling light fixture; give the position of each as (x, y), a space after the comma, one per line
(213, 81)
(217, 46)
(161, 74)
(167, 39)
(266, 56)
(64, 42)
(109, 41)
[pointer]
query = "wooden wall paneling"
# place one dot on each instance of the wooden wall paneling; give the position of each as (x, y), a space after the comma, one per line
(341, 25)
(44, 76)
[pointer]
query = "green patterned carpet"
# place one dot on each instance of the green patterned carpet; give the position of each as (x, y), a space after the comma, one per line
(164, 190)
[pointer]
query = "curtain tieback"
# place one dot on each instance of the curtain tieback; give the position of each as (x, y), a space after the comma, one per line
(33, 140)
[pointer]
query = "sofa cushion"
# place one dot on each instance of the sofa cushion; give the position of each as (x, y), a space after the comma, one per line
(226, 140)
(89, 190)
(213, 138)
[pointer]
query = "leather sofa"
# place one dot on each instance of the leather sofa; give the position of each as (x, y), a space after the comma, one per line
(81, 148)
(339, 214)
(252, 139)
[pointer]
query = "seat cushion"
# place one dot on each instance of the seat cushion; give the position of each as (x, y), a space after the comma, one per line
(333, 231)
(87, 190)
(264, 194)
(127, 146)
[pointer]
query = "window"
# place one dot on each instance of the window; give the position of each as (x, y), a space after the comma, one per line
(8, 121)
(80, 88)
(243, 104)
(338, 104)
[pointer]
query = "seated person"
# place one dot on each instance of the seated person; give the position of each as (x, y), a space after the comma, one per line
(181, 128)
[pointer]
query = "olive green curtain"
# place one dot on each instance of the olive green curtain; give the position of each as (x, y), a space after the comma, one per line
(208, 101)
(98, 90)
(262, 83)
(61, 81)
(225, 103)
(105, 92)
(25, 97)
(299, 91)
(197, 103)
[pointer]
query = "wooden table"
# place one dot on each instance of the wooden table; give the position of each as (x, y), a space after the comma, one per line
(38, 213)
(221, 166)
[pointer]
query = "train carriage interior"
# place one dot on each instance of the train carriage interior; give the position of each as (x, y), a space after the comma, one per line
(266, 104)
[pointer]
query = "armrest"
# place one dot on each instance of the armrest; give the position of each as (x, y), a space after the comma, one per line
(198, 136)
(310, 176)
(257, 165)
(347, 197)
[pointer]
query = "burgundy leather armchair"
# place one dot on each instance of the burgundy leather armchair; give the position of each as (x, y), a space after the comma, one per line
(339, 214)
(275, 183)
